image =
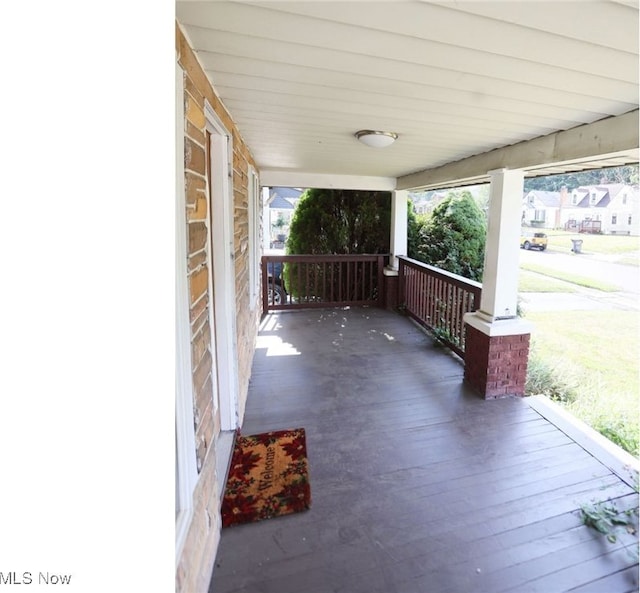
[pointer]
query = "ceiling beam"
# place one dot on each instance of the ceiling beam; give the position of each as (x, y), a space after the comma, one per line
(606, 138)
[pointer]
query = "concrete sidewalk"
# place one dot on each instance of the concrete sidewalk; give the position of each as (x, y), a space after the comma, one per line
(584, 300)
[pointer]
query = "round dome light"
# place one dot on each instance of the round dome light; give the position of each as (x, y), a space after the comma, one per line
(375, 138)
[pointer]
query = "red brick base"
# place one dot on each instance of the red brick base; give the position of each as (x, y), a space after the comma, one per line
(496, 366)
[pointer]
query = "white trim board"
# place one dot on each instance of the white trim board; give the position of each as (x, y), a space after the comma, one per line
(277, 178)
(608, 453)
(186, 471)
(224, 450)
(223, 277)
(255, 223)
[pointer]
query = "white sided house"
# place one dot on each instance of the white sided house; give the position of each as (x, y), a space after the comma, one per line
(611, 209)
(541, 209)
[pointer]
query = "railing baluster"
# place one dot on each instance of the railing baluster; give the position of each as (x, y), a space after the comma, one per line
(438, 300)
(265, 293)
(417, 299)
(333, 273)
(324, 281)
(431, 315)
(455, 315)
(364, 278)
(381, 286)
(424, 279)
(451, 310)
(315, 278)
(365, 268)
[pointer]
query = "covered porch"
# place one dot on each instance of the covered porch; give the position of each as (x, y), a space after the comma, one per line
(417, 483)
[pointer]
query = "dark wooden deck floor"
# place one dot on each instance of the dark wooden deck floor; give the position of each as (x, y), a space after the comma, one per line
(417, 484)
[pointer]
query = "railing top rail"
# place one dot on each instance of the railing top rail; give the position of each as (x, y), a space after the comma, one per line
(325, 258)
(450, 276)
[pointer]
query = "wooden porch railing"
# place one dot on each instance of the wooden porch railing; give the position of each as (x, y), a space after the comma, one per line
(303, 281)
(437, 300)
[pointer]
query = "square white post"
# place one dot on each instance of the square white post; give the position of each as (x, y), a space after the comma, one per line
(266, 220)
(398, 239)
(502, 250)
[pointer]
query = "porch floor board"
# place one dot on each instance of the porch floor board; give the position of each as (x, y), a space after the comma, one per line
(418, 485)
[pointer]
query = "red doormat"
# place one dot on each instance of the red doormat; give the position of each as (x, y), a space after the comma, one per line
(268, 477)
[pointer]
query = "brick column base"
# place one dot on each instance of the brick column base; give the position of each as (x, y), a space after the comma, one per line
(495, 366)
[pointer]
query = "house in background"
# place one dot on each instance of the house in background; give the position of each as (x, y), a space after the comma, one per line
(282, 203)
(425, 202)
(611, 209)
(541, 209)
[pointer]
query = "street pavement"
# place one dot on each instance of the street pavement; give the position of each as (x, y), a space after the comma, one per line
(597, 267)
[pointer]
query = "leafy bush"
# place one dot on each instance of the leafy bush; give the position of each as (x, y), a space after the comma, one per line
(620, 431)
(453, 238)
(415, 226)
(335, 221)
(544, 379)
(329, 221)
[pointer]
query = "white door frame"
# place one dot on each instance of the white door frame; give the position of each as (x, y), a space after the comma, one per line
(222, 282)
(255, 221)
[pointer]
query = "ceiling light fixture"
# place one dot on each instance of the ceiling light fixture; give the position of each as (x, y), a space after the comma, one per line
(375, 138)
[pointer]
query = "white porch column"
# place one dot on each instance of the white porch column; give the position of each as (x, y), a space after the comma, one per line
(502, 253)
(398, 242)
(266, 219)
(497, 341)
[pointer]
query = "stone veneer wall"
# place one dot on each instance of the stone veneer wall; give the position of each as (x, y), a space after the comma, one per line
(247, 320)
(496, 366)
(195, 565)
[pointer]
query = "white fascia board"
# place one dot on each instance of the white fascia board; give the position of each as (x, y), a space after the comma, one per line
(606, 138)
(276, 178)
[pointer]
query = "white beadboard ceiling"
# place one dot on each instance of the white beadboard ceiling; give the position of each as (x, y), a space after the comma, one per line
(453, 79)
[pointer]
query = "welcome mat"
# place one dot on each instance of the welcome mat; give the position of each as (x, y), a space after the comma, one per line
(268, 477)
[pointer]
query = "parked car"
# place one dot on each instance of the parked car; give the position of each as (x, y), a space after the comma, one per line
(533, 241)
(277, 292)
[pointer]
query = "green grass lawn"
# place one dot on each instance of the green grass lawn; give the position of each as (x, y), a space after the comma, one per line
(603, 244)
(532, 282)
(588, 360)
(595, 354)
(572, 278)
